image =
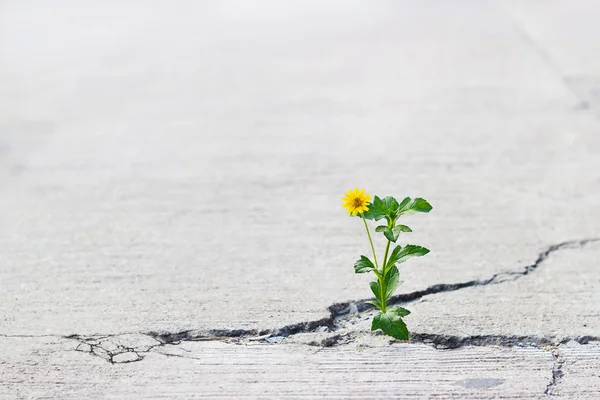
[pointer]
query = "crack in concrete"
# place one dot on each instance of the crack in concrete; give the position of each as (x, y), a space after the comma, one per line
(557, 374)
(454, 342)
(126, 347)
(500, 277)
(117, 349)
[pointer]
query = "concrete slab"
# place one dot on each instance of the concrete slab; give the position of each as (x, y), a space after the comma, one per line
(553, 303)
(576, 371)
(185, 170)
(220, 370)
(559, 300)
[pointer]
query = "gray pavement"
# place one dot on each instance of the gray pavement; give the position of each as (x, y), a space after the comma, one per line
(220, 370)
(172, 173)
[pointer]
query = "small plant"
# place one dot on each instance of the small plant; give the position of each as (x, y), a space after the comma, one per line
(357, 203)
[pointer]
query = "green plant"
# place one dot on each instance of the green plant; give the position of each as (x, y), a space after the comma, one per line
(389, 319)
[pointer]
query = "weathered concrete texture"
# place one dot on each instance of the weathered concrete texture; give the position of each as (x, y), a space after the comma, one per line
(183, 169)
(578, 371)
(560, 299)
(551, 301)
(219, 370)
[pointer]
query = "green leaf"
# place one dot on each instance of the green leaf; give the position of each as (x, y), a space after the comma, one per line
(409, 206)
(393, 325)
(377, 210)
(375, 303)
(391, 205)
(391, 282)
(392, 233)
(401, 254)
(375, 289)
(404, 202)
(375, 324)
(390, 209)
(381, 228)
(399, 311)
(363, 265)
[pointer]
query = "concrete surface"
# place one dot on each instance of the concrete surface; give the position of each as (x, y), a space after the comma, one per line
(218, 370)
(176, 168)
(580, 364)
(559, 300)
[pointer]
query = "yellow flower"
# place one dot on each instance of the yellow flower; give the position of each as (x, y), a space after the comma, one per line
(356, 201)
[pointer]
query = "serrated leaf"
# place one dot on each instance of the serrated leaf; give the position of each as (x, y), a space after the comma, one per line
(375, 289)
(381, 228)
(391, 282)
(399, 311)
(363, 265)
(401, 254)
(375, 303)
(393, 325)
(410, 206)
(375, 323)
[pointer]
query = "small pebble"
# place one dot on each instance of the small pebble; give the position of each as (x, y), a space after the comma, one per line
(520, 344)
(275, 339)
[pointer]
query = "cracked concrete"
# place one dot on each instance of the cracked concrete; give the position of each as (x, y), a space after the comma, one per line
(141, 207)
(129, 347)
(218, 370)
(117, 349)
(558, 301)
(169, 198)
(579, 370)
(557, 374)
(347, 319)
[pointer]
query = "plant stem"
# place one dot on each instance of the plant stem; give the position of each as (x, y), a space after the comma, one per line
(380, 279)
(370, 240)
(383, 268)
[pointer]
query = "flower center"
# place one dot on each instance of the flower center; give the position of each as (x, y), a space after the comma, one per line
(357, 202)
